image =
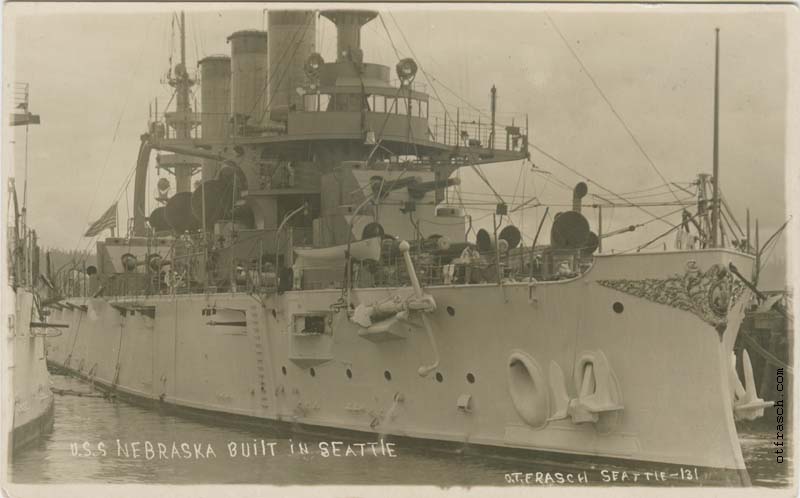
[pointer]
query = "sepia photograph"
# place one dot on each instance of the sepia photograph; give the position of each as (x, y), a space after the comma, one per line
(351, 249)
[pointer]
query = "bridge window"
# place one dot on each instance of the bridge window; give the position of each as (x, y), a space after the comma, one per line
(402, 106)
(316, 102)
(421, 108)
(324, 102)
(311, 102)
(340, 102)
(378, 103)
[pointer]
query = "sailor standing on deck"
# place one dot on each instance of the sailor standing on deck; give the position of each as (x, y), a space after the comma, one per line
(470, 257)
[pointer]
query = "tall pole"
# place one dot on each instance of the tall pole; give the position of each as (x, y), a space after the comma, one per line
(458, 126)
(205, 235)
(494, 110)
(182, 83)
(535, 239)
(747, 250)
(599, 229)
(183, 39)
(758, 258)
(715, 178)
(497, 250)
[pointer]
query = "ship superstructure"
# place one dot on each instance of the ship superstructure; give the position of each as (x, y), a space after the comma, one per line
(318, 274)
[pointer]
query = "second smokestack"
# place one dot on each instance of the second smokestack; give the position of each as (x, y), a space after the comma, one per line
(249, 94)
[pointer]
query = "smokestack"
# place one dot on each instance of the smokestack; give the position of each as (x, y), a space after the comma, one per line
(215, 97)
(348, 31)
(249, 53)
(292, 35)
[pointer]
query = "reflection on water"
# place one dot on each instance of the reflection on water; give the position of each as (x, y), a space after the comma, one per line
(61, 457)
(759, 454)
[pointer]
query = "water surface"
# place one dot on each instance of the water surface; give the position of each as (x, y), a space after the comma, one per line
(60, 456)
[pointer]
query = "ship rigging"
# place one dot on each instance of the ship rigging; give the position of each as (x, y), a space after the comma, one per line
(327, 248)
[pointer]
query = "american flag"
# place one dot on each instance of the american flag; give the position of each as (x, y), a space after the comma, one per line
(108, 220)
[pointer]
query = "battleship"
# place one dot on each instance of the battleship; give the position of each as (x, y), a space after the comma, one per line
(27, 382)
(309, 267)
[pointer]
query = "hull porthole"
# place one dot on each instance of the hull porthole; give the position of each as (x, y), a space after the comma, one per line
(528, 389)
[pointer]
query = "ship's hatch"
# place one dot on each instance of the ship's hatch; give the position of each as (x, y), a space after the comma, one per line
(311, 338)
(313, 324)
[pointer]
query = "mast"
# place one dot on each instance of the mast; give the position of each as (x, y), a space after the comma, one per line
(599, 229)
(748, 233)
(757, 269)
(494, 110)
(183, 39)
(183, 118)
(182, 106)
(715, 174)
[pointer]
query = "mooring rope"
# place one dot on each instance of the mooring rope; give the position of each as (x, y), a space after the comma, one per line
(766, 354)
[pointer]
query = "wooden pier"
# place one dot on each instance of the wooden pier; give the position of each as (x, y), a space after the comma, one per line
(767, 335)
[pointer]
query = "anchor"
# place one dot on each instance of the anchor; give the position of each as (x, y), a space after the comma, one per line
(597, 387)
(746, 403)
(423, 303)
(394, 310)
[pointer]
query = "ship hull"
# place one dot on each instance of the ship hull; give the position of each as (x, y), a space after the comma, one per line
(31, 396)
(512, 373)
(516, 459)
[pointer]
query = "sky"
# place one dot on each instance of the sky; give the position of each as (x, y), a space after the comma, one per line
(95, 69)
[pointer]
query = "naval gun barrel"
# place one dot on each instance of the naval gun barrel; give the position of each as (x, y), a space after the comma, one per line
(379, 184)
(190, 151)
(420, 189)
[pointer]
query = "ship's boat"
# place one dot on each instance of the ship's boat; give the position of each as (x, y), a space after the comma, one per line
(352, 298)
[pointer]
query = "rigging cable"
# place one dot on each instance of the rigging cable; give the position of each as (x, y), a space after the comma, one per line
(730, 214)
(524, 175)
(282, 74)
(611, 106)
(294, 42)
(116, 131)
(391, 41)
(657, 187)
(418, 61)
(772, 242)
(725, 220)
(563, 164)
(123, 188)
(663, 234)
(472, 164)
(194, 37)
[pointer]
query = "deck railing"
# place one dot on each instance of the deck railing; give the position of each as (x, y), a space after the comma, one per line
(454, 126)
